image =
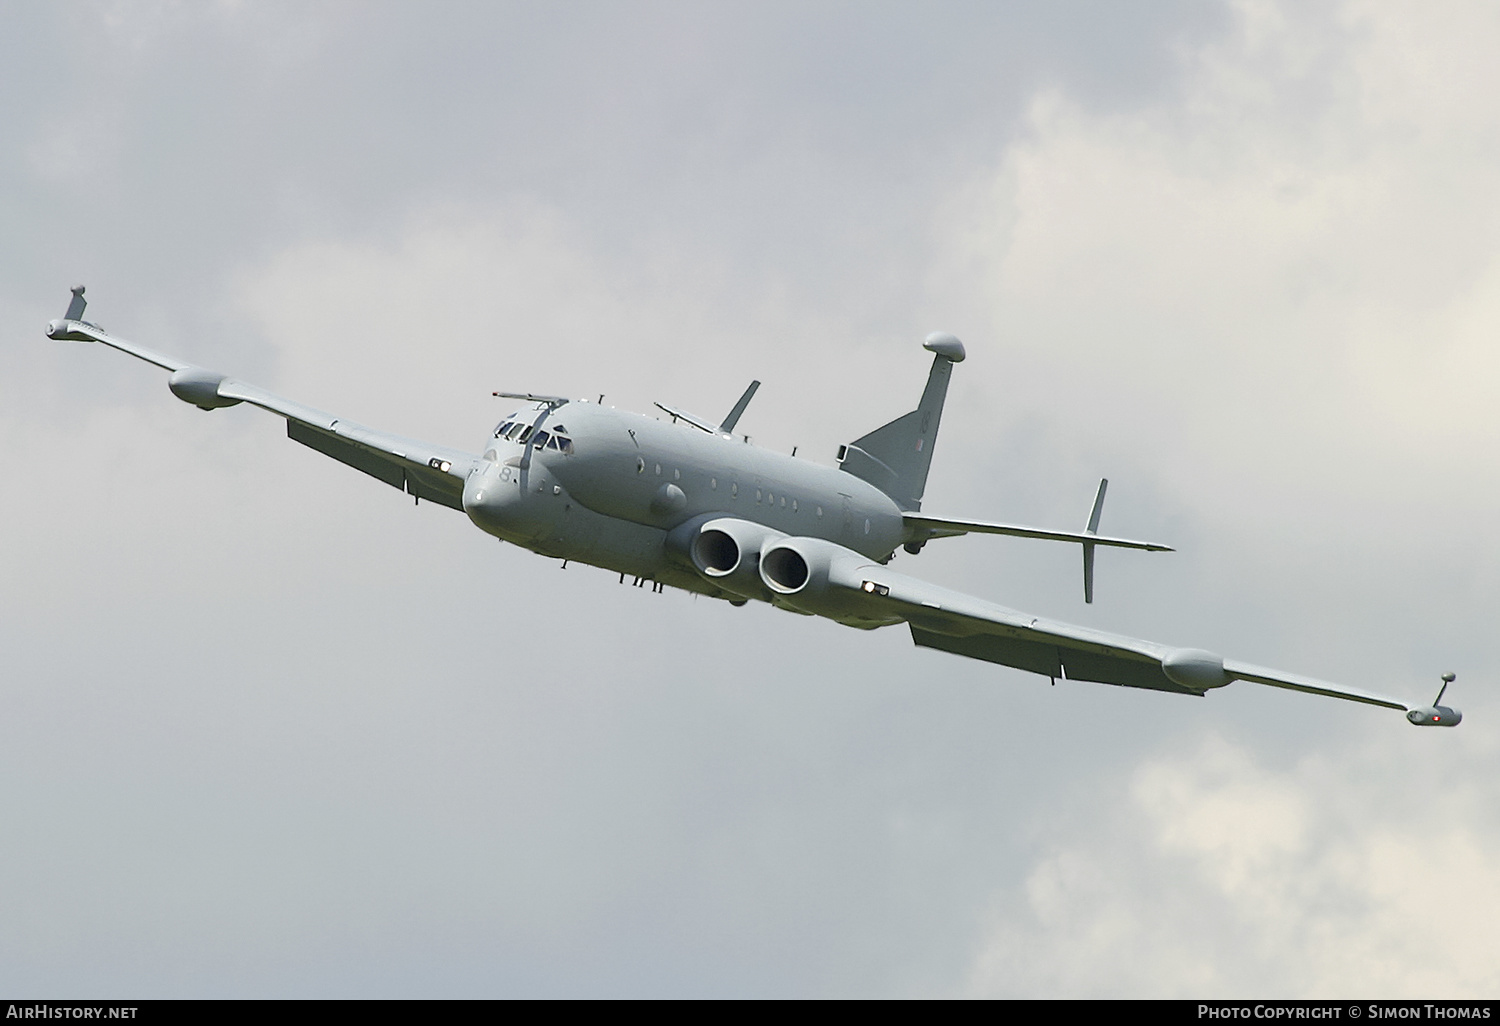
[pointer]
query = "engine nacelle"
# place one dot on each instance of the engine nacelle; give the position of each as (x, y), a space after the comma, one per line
(819, 577)
(725, 550)
(1435, 716)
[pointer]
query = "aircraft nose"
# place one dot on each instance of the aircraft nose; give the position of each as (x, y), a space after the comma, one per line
(484, 497)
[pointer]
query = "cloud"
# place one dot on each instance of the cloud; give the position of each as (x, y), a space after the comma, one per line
(1297, 255)
(1217, 874)
(1283, 285)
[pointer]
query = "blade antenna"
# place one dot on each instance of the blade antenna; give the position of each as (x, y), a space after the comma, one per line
(1088, 547)
(730, 421)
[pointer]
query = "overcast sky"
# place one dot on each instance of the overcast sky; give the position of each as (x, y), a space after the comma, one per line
(268, 730)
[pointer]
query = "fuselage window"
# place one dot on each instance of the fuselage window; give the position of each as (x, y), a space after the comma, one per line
(658, 470)
(867, 527)
(734, 490)
(713, 484)
(640, 465)
(676, 474)
(783, 502)
(820, 511)
(794, 505)
(757, 495)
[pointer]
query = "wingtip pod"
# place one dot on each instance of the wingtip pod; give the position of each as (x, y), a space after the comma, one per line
(62, 329)
(1435, 716)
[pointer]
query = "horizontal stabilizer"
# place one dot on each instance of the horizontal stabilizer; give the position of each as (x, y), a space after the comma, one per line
(922, 526)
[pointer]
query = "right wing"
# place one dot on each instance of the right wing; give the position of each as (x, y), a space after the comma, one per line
(1003, 636)
(837, 582)
(999, 635)
(423, 470)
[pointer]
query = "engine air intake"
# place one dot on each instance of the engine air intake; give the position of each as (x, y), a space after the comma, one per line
(784, 569)
(716, 553)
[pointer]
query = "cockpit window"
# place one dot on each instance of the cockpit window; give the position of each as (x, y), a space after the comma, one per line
(509, 426)
(521, 432)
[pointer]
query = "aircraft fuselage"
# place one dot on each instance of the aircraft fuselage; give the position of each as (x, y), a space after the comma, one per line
(625, 481)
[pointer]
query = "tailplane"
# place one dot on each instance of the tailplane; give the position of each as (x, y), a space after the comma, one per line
(895, 458)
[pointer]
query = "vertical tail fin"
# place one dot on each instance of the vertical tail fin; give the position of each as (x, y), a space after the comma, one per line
(895, 458)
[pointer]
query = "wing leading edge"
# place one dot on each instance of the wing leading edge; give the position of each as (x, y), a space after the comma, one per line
(420, 469)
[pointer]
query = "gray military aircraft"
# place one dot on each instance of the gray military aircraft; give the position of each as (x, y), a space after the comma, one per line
(694, 508)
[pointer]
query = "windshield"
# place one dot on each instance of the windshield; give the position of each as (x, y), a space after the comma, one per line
(514, 430)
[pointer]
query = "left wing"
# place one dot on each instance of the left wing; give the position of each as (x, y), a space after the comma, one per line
(823, 578)
(422, 470)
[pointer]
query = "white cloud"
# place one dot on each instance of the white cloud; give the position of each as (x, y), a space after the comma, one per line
(1218, 875)
(1299, 256)
(1284, 284)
